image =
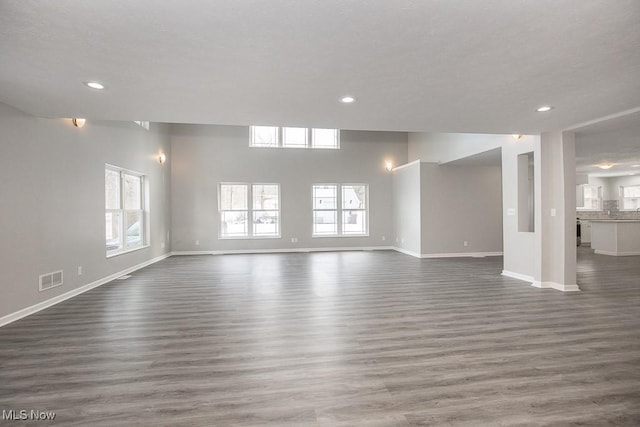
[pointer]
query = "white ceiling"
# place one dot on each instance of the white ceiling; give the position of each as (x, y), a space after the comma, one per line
(431, 65)
(615, 141)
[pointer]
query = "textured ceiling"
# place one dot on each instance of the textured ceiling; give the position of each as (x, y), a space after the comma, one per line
(430, 65)
(615, 141)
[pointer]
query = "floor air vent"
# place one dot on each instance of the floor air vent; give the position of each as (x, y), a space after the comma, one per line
(50, 280)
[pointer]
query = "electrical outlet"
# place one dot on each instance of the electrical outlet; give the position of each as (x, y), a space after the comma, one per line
(80, 271)
(162, 245)
(197, 242)
(384, 238)
(294, 240)
(466, 243)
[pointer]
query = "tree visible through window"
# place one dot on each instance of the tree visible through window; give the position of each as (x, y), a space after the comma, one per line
(340, 209)
(124, 210)
(242, 203)
(294, 137)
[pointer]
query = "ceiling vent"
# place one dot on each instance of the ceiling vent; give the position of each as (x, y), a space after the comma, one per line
(50, 280)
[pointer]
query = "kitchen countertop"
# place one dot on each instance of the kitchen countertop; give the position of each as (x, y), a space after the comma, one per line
(612, 220)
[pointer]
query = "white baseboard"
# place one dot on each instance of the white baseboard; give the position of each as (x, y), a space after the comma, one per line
(448, 255)
(557, 286)
(539, 284)
(9, 318)
(462, 255)
(286, 250)
(616, 253)
(519, 276)
(407, 252)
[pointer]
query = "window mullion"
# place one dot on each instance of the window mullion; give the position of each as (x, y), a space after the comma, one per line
(339, 208)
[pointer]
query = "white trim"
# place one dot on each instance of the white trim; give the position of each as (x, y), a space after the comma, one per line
(462, 255)
(448, 255)
(539, 284)
(616, 253)
(127, 251)
(556, 286)
(286, 250)
(180, 253)
(519, 276)
(9, 318)
(407, 252)
(405, 165)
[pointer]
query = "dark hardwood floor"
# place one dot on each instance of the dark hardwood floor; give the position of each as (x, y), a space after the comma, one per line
(333, 339)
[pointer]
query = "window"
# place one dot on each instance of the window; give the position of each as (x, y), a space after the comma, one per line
(630, 197)
(325, 138)
(340, 210)
(294, 137)
(264, 136)
(241, 203)
(141, 123)
(125, 227)
(325, 210)
(591, 198)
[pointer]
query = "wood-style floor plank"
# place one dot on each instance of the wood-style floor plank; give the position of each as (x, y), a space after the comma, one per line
(334, 339)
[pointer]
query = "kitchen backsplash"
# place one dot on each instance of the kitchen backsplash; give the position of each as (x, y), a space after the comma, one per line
(610, 210)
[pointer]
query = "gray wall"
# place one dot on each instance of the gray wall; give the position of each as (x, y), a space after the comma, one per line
(205, 155)
(406, 208)
(461, 203)
(521, 249)
(52, 200)
(447, 147)
(558, 179)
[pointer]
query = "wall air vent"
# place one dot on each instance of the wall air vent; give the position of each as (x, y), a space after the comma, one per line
(50, 280)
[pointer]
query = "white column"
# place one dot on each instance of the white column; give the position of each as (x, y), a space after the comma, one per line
(557, 268)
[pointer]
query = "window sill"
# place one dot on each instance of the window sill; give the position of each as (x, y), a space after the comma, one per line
(248, 237)
(127, 251)
(332, 236)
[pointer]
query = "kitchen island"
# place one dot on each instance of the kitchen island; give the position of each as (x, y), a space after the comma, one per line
(617, 237)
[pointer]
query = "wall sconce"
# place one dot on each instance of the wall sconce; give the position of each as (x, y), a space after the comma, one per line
(388, 166)
(162, 158)
(516, 136)
(77, 122)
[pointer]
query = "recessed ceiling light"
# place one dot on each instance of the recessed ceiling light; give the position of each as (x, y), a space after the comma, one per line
(516, 136)
(95, 85)
(544, 108)
(347, 99)
(605, 166)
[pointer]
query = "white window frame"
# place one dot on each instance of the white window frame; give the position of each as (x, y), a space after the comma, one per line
(143, 124)
(252, 137)
(622, 198)
(339, 210)
(249, 212)
(283, 137)
(584, 187)
(312, 140)
(124, 246)
(280, 138)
